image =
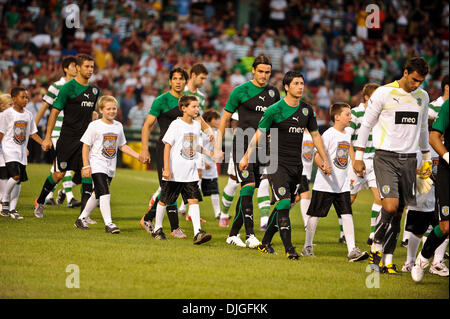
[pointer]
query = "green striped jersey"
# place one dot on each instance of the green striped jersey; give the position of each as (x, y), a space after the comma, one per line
(434, 107)
(50, 97)
(355, 124)
(200, 96)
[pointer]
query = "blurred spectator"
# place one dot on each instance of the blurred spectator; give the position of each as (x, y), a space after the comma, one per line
(324, 95)
(315, 69)
(127, 102)
(137, 116)
(278, 13)
(237, 78)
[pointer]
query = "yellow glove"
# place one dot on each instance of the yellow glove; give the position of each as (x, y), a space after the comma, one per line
(427, 166)
(423, 185)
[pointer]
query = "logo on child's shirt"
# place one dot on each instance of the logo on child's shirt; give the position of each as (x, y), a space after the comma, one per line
(341, 159)
(188, 146)
(109, 145)
(20, 132)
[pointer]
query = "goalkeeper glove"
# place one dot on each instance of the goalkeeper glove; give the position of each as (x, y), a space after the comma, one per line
(427, 166)
(423, 185)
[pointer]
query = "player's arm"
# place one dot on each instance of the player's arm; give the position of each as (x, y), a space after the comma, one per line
(205, 128)
(36, 138)
(318, 144)
(144, 156)
(41, 112)
(86, 169)
(128, 150)
(47, 142)
(243, 164)
(440, 125)
(166, 171)
(224, 123)
(427, 165)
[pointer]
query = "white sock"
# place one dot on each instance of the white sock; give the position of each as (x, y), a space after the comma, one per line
(67, 186)
(304, 205)
(413, 246)
(105, 208)
(341, 229)
(311, 230)
(229, 190)
(440, 252)
(2, 187)
(194, 212)
(349, 231)
(14, 197)
(91, 204)
(10, 184)
(215, 201)
(160, 210)
(387, 259)
(374, 218)
(264, 220)
(182, 207)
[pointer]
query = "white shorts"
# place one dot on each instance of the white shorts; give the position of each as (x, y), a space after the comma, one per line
(357, 183)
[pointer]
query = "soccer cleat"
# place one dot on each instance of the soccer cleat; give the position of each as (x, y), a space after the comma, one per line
(292, 254)
(14, 214)
(407, 266)
(235, 240)
(307, 251)
(90, 221)
(177, 233)
(263, 227)
(223, 221)
(81, 223)
(201, 237)
(446, 255)
(112, 228)
(74, 203)
(60, 197)
(159, 234)
(357, 255)
(217, 216)
(390, 269)
(439, 269)
(419, 268)
(252, 242)
(189, 219)
(267, 249)
(147, 225)
(4, 212)
(50, 202)
(375, 260)
(405, 243)
(342, 240)
(370, 242)
(39, 210)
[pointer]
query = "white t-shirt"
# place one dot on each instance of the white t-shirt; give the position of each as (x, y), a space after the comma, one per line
(307, 155)
(104, 140)
(184, 139)
(16, 128)
(211, 172)
(337, 148)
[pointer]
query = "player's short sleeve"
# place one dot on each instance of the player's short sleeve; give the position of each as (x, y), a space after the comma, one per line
(87, 137)
(170, 136)
(51, 95)
(156, 107)
(233, 101)
(61, 99)
(441, 122)
(312, 121)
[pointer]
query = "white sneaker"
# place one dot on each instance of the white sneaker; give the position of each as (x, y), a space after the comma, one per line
(90, 221)
(252, 242)
(419, 268)
(407, 266)
(235, 240)
(439, 269)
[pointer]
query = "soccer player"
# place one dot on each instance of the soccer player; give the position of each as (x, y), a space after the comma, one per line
(197, 78)
(5, 102)
(250, 100)
(290, 117)
(77, 98)
(440, 232)
(397, 112)
(358, 183)
(164, 110)
(181, 145)
(16, 127)
(334, 188)
(70, 71)
(101, 140)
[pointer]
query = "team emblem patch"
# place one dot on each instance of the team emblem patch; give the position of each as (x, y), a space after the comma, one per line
(95, 91)
(341, 159)
(308, 151)
(386, 189)
(305, 111)
(444, 211)
(63, 165)
(188, 146)
(244, 173)
(271, 93)
(20, 130)
(419, 101)
(109, 145)
(282, 191)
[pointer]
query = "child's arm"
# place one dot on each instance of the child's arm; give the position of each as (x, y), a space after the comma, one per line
(86, 169)
(318, 144)
(37, 138)
(128, 150)
(166, 171)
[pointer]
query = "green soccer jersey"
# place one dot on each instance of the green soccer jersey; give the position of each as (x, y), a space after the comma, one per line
(357, 117)
(441, 123)
(199, 95)
(165, 109)
(50, 97)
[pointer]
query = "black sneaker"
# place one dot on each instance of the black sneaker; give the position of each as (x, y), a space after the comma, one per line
(342, 240)
(370, 241)
(390, 269)
(405, 243)
(81, 223)
(201, 237)
(292, 254)
(112, 228)
(50, 202)
(73, 203)
(61, 197)
(14, 214)
(4, 212)
(159, 234)
(267, 249)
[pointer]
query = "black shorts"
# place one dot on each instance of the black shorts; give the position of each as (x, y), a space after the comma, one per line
(304, 185)
(418, 222)
(253, 174)
(321, 203)
(285, 183)
(210, 186)
(3, 172)
(16, 169)
(442, 196)
(68, 155)
(171, 190)
(101, 183)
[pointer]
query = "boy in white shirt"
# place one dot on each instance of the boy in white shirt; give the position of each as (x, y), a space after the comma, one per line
(16, 127)
(5, 102)
(335, 188)
(100, 141)
(180, 175)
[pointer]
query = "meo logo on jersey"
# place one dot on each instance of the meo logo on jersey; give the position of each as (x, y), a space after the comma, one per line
(20, 129)
(341, 159)
(406, 118)
(109, 145)
(187, 148)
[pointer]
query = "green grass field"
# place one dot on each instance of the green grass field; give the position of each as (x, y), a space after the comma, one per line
(35, 254)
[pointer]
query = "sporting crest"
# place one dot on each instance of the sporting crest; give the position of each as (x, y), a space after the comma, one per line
(188, 146)
(271, 93)
(305, 111)
(342, 152)
(444, 211)
(109, 149)
(20, 132)
(282, 191)
(308, 150)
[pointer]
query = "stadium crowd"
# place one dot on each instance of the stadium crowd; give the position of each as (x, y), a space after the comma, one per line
(136, 43)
